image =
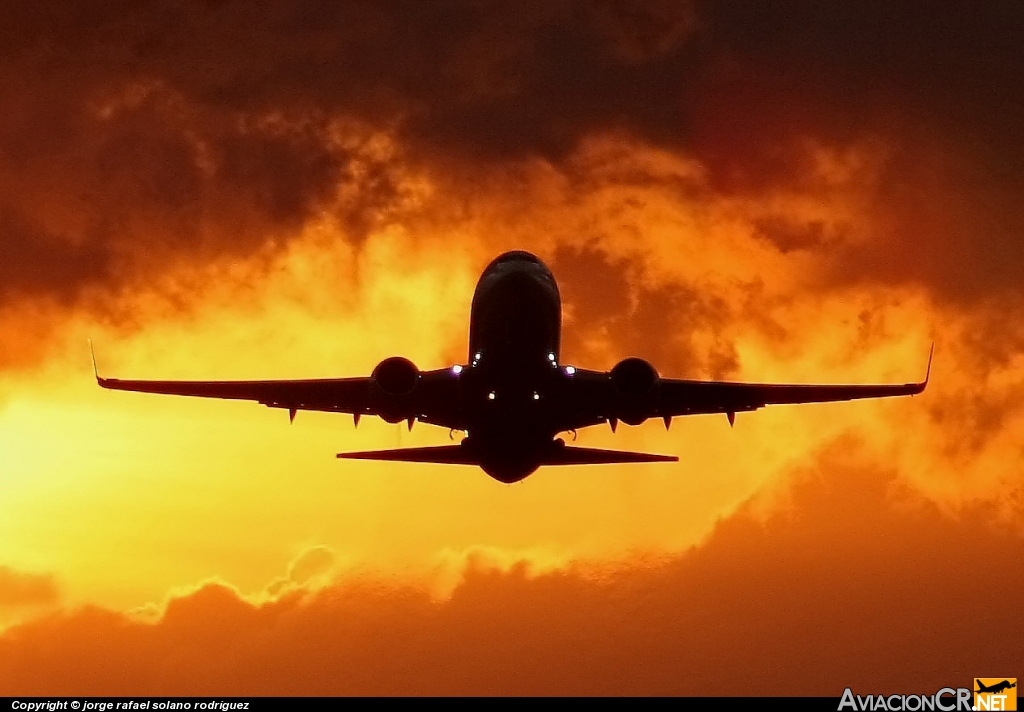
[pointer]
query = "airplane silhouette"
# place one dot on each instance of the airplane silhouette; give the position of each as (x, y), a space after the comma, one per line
(513, 396)
(996, 688)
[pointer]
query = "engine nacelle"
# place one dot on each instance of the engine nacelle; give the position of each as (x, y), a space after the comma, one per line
(634, 377)
(396, 376)
(634, 380)
(394, 380)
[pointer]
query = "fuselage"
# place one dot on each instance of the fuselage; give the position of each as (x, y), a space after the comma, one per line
(513, 369)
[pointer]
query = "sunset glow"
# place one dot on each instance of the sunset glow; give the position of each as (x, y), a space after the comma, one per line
(211, 191)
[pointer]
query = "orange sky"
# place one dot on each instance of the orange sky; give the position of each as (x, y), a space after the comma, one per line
(303, 190)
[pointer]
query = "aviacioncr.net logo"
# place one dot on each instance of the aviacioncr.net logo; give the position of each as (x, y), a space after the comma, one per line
(995, 693)
(945, 700)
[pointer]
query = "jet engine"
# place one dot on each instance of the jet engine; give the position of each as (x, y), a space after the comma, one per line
(394, 379)
(634, 380)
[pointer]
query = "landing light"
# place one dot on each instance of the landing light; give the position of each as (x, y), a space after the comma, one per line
(536, 396)
(551, 357)
(490, 396)
(569, 370)
(456, 369)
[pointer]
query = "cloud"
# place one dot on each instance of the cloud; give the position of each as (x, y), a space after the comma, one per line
(728, 189)
(855, 581)
(612, 311)
(18, 588)
(712, 160)
(135, 137)
(310, 566)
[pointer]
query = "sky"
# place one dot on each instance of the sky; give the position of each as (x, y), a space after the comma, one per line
(798, 192)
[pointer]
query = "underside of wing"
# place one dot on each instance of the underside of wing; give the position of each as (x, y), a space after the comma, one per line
(431, 398)
(681, 397)
(346, 395)
(594, 397)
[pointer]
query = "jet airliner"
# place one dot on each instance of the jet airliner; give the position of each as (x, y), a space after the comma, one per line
(514, 396)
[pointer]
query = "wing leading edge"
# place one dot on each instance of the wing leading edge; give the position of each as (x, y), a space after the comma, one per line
(683, 397)
(432, 403)
(592, 399)
(597, 400)
(345, 395)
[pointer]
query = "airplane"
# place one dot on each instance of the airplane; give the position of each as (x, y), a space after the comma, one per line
(996, 688)
(514, 396)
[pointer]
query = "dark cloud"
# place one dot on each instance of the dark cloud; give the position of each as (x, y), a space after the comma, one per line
(788, 235)
(939, 218)
(841, 69)
(490, 76)
(35, 262)
(683, 330)
(140, 135)
(855, 582)
(148, 176)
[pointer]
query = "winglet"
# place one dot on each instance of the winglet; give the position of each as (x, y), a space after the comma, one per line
(95, 371)
(928, 371)
(921, 385)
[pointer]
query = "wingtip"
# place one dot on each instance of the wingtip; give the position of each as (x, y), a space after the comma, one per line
(95, 370)
(921, 385)
(103, 382)
(928, 371)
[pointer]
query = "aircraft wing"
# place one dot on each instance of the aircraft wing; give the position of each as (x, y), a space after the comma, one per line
(597, 401)
(434, 400)
(346, 395)
(683, 397)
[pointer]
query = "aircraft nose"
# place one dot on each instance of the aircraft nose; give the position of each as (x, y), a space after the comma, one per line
(514, 256)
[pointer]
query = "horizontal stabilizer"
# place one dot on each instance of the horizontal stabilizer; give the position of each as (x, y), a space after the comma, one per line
(445, 454)
(569, 455)
(461, 455)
